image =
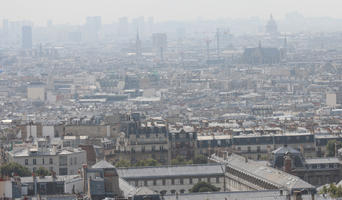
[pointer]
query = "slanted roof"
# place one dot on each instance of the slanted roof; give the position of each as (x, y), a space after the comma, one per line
(103, 165)
(130, 190)
(238, 195)
(170, 171)
(271, 175)
(286, 149)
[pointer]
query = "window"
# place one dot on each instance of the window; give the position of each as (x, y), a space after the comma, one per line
(43, 161)
(34, 161)
(172, 181)
(70, 161)
(190, 180)
(314, 166)
(63, 171)
(34, 169)
(26, 161)
(331, 165)
(217, 179)
(173, 191)
(50, 161)
(154, 182)
(63, 161)
(164, 182)
(181, 181)
(208, 179)
(258, 149)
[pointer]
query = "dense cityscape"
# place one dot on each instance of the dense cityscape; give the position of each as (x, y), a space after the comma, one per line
(146, 110)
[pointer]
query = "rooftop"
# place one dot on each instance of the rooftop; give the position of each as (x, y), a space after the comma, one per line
(274, 176)
(103, 165)
(170, 171)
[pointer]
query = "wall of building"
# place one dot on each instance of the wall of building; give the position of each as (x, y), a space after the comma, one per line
(36, 93)
(175, 184)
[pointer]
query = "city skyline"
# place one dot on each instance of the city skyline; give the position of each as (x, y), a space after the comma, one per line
(75, 12)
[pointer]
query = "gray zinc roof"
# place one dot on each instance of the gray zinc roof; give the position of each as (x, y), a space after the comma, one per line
(286, 149)
(103, 165)
(241, 195)
(277, 177)
(170, 171)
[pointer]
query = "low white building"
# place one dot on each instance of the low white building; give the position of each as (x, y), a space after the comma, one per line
(36, 91)
(63, 161)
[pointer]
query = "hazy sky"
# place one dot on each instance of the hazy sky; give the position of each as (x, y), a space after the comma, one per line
(75, 11)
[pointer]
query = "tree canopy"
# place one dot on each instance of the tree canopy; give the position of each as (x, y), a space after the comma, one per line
(41, 171)
(141, 163)
(13, 168)
(147, 162)
(204, 187)
(332, 190)
(179, 160)
(200, 159)
(123, 163)
(332, 146)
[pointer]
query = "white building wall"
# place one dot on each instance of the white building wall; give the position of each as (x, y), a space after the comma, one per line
(48, 131)
(80, 157)
(36, 93)
(31, 131)
(331, 99)
(76, 183)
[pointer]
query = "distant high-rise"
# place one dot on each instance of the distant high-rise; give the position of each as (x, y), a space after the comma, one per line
(159, 41)
(150, 25)
(123, 26)
(93, 26)
(271, 27)
(138, 45)
(5, 26)
(27, 37)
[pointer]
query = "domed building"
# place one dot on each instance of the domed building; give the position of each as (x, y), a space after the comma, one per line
(271, 27)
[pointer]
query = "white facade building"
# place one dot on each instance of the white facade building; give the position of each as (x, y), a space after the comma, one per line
(64, 161)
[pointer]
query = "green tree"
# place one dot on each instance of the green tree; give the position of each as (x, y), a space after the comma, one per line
(324, 190)
(147, 162)
(333, 191)
(200, 159)
(123, 163)
(204, 187)
(331, 147)
(41, 171)
(14, 168)
(179, 160)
